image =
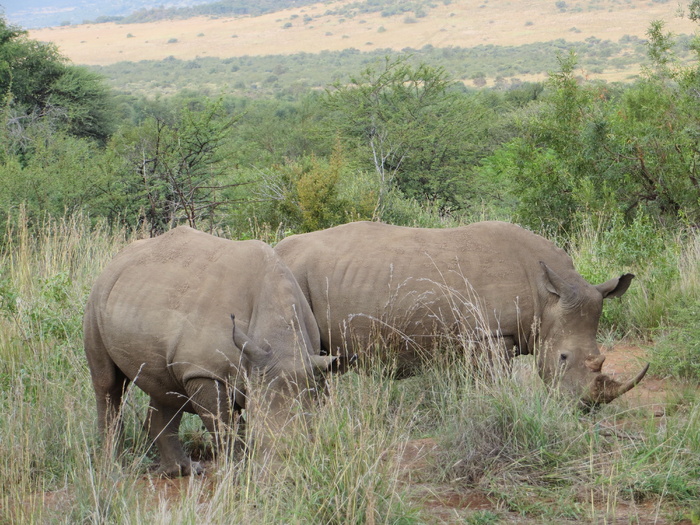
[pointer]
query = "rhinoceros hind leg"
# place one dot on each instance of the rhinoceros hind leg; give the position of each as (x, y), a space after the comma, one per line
(109, 384)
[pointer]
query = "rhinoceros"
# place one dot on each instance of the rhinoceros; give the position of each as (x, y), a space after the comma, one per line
(369, 282)
(160, 315)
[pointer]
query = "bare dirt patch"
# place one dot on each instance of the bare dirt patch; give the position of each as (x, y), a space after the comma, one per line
(463, 23)
(623, 362)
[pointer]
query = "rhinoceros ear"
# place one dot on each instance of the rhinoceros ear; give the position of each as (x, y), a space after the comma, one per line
(615, 287)
(553, 283)
(252, 352)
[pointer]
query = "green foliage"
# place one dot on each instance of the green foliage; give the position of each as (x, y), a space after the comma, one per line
(53, 175)
(677, 352)
(86, 100)
(605, 246)
(311, 194)
(677, 349)
(659, 123)
(37, 84)
(317, 190)
(275, 131)
(592, 148)
(49, 315)
(663, 300)
(409, 126)
(168, 169)
(53, 117)
(27, 68)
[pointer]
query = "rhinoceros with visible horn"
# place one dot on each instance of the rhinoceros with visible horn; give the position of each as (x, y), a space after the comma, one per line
(490, 279)
(160, 315)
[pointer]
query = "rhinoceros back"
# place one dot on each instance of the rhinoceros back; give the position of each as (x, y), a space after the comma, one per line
(365, 277)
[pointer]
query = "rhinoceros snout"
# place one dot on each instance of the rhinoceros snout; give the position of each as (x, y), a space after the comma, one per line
(604, 389)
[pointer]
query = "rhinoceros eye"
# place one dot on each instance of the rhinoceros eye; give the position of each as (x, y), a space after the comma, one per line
(563, 357)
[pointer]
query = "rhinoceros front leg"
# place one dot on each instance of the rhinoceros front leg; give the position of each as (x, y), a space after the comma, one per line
(495, 354)
(163, 425)
(215, 404)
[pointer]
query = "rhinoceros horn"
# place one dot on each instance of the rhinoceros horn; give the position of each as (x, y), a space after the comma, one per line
(604, 389)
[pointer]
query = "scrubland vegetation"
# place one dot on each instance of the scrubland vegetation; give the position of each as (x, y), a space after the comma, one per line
(499, 434)
(607, 171)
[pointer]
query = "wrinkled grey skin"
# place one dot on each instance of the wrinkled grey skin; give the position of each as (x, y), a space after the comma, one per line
(488, 280)
(160, 315)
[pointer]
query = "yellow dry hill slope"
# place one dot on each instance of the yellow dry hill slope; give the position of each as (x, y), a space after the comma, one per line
(310, 29)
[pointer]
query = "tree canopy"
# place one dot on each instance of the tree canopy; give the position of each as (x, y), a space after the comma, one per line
(38, 83)
(399, 140)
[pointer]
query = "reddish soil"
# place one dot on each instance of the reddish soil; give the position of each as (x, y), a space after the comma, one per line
(623, 362)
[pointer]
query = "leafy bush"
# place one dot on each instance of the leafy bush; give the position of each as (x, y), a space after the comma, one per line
(312, 194)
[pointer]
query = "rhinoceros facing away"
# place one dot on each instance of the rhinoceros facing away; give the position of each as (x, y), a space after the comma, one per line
(490, 279)
(160, 315)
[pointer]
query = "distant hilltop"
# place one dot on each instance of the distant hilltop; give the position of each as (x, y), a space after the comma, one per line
(316, 27)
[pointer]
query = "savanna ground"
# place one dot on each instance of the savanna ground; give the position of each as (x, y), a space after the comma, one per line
(460, 23)
(450, 446)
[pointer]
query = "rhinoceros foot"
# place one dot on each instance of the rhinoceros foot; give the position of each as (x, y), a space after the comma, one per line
(176, 470)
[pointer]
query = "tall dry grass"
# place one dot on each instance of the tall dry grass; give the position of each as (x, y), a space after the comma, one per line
(45, 414)
(52, 468)
(497, 429)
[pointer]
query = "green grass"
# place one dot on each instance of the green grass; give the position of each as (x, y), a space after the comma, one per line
(502, 434)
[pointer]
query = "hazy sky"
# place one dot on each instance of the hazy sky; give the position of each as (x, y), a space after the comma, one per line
(33, 13)
(26, 5)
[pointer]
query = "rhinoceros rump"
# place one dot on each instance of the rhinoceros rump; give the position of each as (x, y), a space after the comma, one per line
(364, 279)
(160, 315)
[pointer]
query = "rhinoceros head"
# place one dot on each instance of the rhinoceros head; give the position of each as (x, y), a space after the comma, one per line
(286, 383)
(569, 353)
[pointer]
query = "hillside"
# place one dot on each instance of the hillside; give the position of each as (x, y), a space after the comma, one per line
(335, 26)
